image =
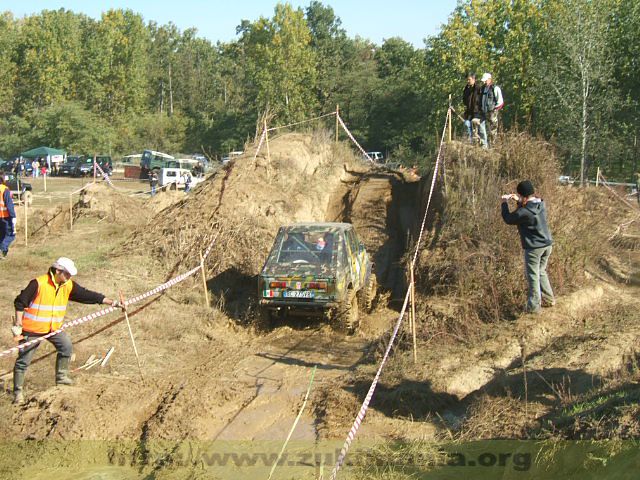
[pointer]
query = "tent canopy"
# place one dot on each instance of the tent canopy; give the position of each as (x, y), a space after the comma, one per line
(42, 152)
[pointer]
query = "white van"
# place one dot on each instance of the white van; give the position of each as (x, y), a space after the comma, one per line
(173, 178)
(377, 157)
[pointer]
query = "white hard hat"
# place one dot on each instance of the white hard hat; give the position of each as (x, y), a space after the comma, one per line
(485, 77)
(66, 264)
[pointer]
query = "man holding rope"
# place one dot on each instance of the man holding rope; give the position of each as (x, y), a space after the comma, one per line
(40, 309)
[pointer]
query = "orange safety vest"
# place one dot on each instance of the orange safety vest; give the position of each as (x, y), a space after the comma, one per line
(46, 311)
(4, 211)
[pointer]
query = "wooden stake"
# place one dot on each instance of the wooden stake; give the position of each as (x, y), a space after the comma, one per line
(71, 211)
(204, 281)
(45, 181)
(26, 223)
(450, 123)
(266, 138)
(337, 121)
(413, 313)
(598, 177)
(126, 316)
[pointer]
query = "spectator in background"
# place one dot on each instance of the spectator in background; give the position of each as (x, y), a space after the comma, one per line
(473, 116)
(492, 103)
(187, 182)
(7, 218)
(35, 165)
(153, 181)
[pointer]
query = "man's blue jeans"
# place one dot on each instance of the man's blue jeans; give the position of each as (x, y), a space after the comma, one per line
(6, 234)
(535, 262)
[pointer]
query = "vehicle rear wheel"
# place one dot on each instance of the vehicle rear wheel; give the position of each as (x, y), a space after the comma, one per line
(347, 316)
(173, 186)
(264, 319)
(369, 293)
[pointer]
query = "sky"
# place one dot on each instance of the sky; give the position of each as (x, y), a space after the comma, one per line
(376, 20)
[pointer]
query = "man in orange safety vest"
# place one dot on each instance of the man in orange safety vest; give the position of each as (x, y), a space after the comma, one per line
(40, 309)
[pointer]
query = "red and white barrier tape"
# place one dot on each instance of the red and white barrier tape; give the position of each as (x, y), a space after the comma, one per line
(106, 311)
(353, 139)
(104, 175)
(365, 405)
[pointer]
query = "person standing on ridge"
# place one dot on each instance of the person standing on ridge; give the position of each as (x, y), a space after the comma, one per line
(40, 309)
(492, 102)
(535, 237)
(473, 116)
(7, 217)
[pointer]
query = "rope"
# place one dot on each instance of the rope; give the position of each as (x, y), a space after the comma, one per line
(108, 310)
(344, 127)
(301, 122)
(295, 423)
(365, 405)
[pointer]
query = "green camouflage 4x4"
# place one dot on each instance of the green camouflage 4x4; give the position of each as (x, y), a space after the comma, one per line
(319, 269)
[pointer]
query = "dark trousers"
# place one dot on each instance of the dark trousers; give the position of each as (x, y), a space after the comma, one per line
(6, 234)
(61, 341)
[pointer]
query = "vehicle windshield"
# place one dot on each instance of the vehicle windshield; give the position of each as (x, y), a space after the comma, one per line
(300, 245)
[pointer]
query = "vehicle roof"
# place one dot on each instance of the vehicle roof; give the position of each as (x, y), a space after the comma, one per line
(338, 225)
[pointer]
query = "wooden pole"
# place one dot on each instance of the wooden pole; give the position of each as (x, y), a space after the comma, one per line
(449, 127)
(598, 177)
(337, 121)
(204, 281)
(95, 170)
(26, 223)
(135, 350)
(413, 314)
(266, 138)
(71, 211)
(45, 180)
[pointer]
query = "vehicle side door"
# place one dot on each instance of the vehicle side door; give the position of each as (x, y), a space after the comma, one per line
(355, 257)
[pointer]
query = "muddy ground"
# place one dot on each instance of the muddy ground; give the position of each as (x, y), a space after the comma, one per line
(211, 382)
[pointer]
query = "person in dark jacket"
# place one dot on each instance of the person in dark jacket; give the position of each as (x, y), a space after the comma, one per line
(40, 309)
(7, 218)
(473, 115)
(535, 237)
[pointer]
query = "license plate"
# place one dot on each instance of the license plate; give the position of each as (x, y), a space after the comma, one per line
(299, 294)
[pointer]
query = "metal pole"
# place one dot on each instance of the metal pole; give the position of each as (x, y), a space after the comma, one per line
(204, 281)
(126, 316)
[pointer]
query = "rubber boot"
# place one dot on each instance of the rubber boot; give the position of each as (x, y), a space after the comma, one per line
(62, 371)
(18, 382)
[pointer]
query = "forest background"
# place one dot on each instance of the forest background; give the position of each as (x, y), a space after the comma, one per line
(569, 71)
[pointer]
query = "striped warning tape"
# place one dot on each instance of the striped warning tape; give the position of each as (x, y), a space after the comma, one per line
(353, 139)
(106, 311)
(365, 405)
(262, 137)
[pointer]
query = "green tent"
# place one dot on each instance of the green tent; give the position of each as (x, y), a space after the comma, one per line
(42, 152)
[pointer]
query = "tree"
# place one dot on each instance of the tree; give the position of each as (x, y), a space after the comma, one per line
(576, 70)
(281, 63)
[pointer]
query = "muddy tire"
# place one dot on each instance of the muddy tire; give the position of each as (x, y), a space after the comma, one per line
(347, 316)
(264, 319)
(368, 294)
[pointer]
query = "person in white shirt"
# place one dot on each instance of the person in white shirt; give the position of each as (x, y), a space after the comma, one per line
(492, 103)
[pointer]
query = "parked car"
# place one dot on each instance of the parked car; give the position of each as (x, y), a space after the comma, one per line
(227, 158)
(68, 167)
(173, 178)
(19, 190)
(317, 269)
(105, 163)
(83, 167)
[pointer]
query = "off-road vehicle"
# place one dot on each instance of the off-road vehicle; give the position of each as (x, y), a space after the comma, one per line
(317, 269)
